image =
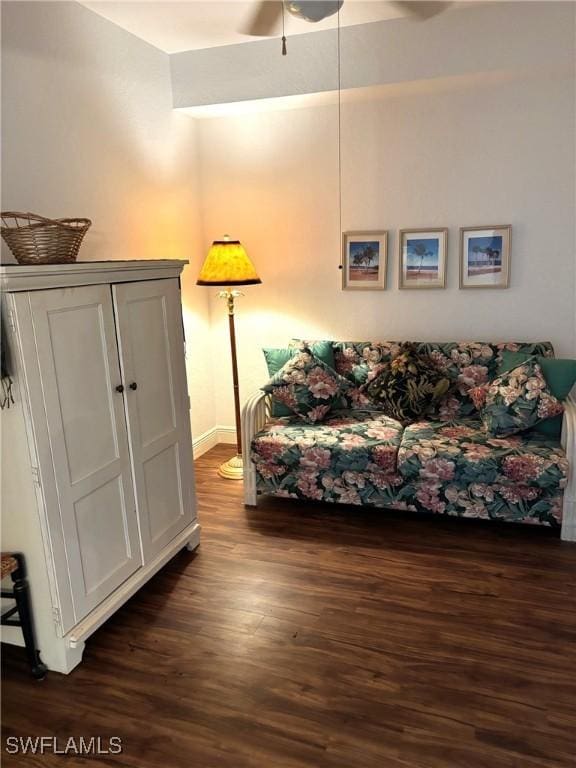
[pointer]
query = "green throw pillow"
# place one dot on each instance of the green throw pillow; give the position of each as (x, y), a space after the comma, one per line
(560, 376)
(408, 386)
(277, 358)
(516, 400)
(308, 387)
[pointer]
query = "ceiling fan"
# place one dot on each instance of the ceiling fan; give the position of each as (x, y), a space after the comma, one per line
(268, 13)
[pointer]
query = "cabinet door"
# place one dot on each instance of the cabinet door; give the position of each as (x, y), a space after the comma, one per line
(151, 343)
(77, 356)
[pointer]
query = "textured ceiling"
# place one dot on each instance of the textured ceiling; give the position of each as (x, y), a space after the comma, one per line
(185, 25)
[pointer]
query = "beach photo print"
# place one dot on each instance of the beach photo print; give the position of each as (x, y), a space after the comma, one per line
(422, 258)
(485, 257)
(364, 260)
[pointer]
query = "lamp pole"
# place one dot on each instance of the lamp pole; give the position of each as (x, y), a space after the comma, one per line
(230, 296)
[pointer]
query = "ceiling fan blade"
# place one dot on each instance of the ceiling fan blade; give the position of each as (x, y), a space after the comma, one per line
(420, 10)
(265, 21)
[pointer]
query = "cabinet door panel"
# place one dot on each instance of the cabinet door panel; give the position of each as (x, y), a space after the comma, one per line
(148, 319)
(151, 343)
(72, 332)
(163, 491)
(79, 369)
(101, 563)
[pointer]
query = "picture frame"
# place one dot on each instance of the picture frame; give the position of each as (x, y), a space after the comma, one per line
(364, 260)
(422, 257)
(485, 256)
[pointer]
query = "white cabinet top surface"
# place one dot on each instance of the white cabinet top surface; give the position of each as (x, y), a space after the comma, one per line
(25, 277)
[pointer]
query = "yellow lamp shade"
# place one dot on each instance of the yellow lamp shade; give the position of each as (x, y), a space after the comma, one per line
(227, 263)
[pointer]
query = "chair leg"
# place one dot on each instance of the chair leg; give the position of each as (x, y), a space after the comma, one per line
(22, 597)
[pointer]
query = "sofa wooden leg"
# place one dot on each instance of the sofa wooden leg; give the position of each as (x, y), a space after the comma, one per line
(249, 480)
(568, 532)
(250, 495)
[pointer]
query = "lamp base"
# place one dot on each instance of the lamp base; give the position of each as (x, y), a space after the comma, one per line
(233, 469)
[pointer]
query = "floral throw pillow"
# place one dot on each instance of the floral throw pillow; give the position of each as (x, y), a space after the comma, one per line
(408, 385)
(276, 358)
(308, 387)
(515, 401)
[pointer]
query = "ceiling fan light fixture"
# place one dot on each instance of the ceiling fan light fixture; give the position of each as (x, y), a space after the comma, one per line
(313, 10)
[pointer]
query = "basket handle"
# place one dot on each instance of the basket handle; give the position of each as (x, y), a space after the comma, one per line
(29, 215)
(36, 217)
(48, 221)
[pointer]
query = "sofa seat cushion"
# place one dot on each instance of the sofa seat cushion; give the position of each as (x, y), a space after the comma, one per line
(351, 457)
(460, 469)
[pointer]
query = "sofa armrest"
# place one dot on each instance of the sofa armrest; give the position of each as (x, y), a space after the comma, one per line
(569, 445)
(255, 413)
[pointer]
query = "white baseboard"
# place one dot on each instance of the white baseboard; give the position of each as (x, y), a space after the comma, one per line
(213, 436)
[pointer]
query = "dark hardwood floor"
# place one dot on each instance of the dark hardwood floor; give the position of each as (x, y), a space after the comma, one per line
(327, 638)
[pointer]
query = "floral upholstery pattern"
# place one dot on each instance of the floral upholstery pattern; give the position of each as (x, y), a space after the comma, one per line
(359, 457)
(516, 401)
(445, 465)
(307, 386)
(350, 458)
(466, 364)
(408, 386)
(461, 470)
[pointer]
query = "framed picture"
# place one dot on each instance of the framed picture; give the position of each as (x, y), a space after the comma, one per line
(422, 258)
(364, 261)
(485, 256)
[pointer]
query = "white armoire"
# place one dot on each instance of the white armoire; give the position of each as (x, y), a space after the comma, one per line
(97, 474)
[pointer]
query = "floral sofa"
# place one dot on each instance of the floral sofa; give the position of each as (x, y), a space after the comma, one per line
(445, 464)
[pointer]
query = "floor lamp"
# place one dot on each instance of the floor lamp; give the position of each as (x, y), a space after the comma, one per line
(228, 264)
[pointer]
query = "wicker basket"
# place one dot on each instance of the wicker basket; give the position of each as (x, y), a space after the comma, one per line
(34, 239)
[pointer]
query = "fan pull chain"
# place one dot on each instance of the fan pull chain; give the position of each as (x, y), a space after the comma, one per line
(284, 49)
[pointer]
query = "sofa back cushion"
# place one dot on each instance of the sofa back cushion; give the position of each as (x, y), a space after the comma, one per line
(466, 363)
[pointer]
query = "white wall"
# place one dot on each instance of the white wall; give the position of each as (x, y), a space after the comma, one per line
(475, 150)
(88, 130)
(466, 39)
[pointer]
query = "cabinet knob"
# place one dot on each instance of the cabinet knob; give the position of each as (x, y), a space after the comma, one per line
(133, 385)
(120, 388)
